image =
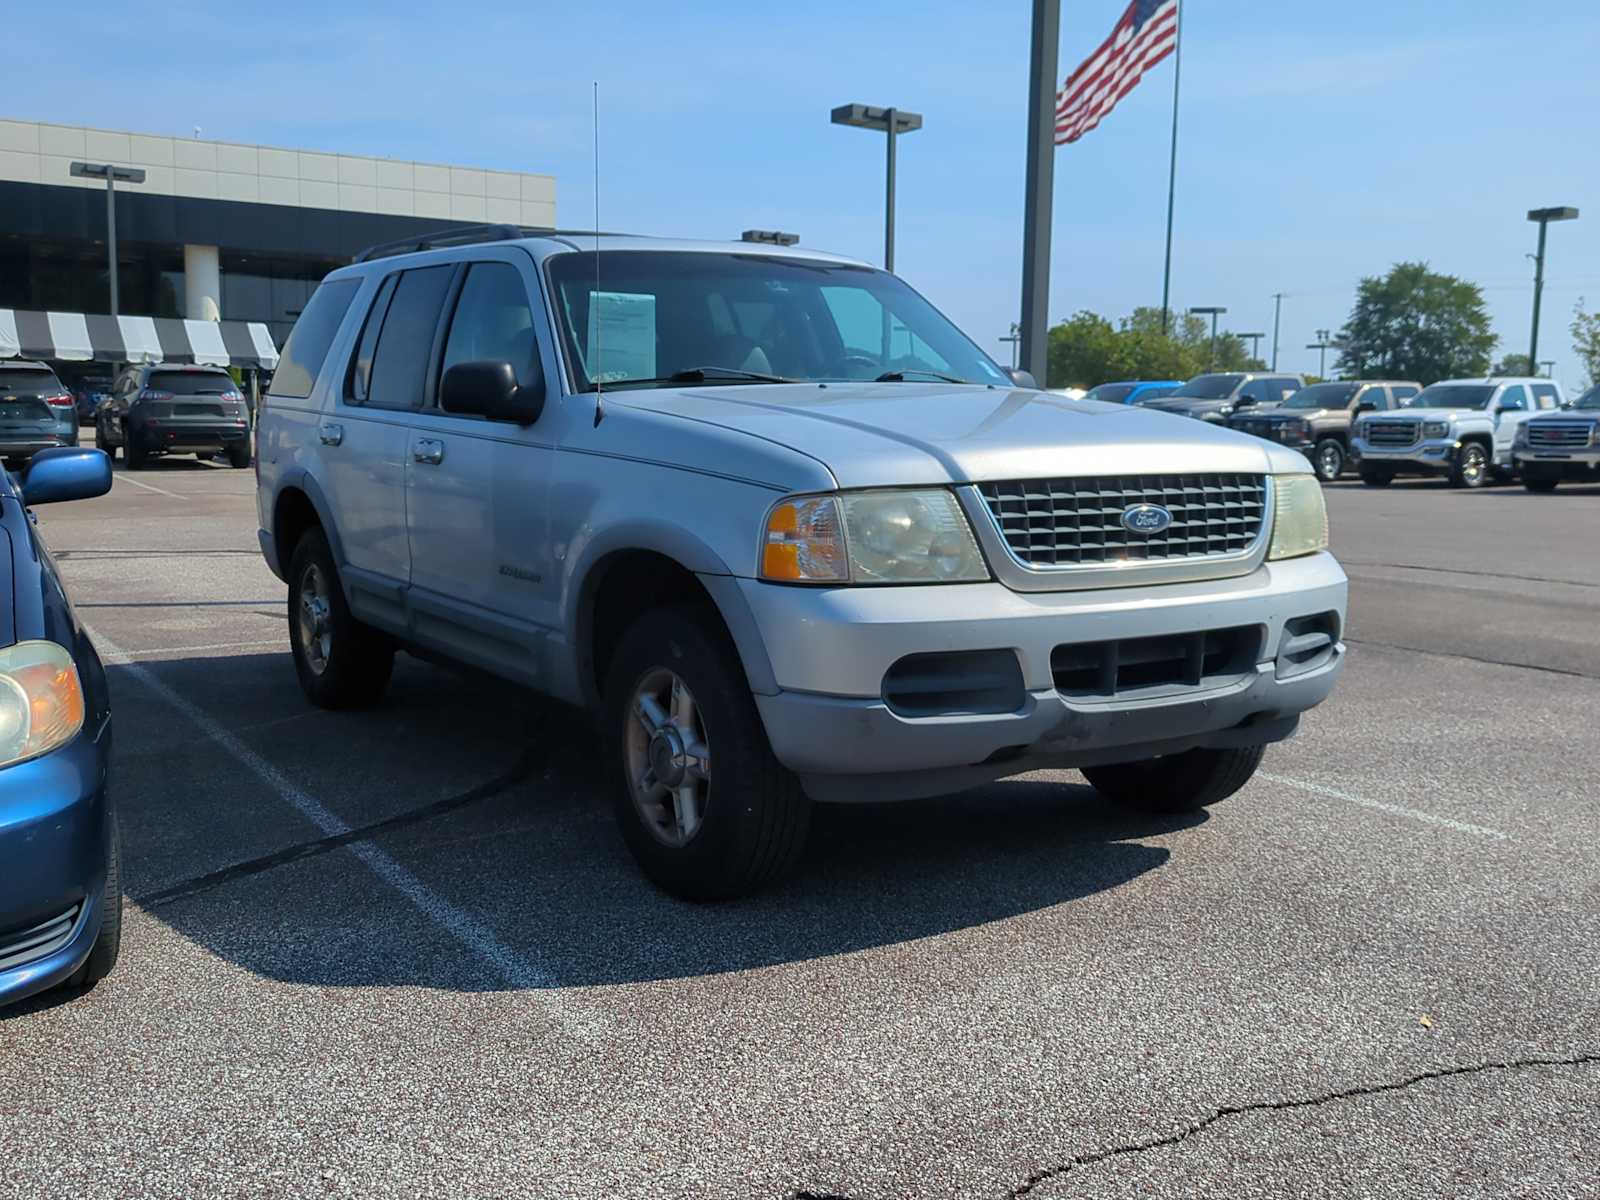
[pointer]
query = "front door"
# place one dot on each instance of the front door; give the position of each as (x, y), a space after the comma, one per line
(481, 572)
(1510, 409)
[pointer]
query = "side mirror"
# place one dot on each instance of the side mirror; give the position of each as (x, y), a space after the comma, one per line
(1023, 379)
(490, 389)
(1366, 406)
(66, 473)
(1565, 405)
(1245, 402)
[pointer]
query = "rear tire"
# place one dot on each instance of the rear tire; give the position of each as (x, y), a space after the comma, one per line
(1177, 783)
(750, 827)
(1377, 476)
(104, 442)
(239, 455)
(108, 943)
(1328, 458)
(341, 662)
(136, 457)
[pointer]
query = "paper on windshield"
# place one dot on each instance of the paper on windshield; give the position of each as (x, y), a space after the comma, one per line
(621, 339)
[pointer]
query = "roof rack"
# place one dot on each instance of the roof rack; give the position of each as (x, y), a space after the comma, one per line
(466, 235)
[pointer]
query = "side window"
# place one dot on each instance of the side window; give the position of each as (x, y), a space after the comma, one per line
(1256, 390)
(1279, 390)
(1514, 397)
(1376, 396)
(1545, 396)
(311, 337)
(400, 361)
(357, 385)
(1403, 392)
(493, 322)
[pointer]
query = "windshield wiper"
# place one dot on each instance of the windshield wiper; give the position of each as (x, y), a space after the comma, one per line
(699, 375)
(902, 376)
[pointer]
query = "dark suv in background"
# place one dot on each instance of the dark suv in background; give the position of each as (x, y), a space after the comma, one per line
(165, 409)
(36, 412)
(1215, 397)
(1316, 419)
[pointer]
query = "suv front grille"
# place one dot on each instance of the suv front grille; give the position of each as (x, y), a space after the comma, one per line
(1078, 522)
(1560, 435)
(24, 946)
(1393, 433)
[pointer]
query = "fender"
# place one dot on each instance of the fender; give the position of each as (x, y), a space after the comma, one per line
(299, 477)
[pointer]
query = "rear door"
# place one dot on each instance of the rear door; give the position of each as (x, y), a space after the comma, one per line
(364, 437)
(483, 583)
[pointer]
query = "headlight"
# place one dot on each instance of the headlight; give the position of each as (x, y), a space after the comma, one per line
(1522, 435)
(41, 700)
(872, 537)
(1435, 428)
(1300, 518)
(1296, 428)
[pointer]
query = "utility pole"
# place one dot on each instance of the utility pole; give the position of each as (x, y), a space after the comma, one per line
(1040, 187)
(1321, 345)
(1014, 338)
(1277, 313)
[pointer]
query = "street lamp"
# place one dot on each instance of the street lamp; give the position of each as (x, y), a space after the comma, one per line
(1323, 345)
(1255, 343)
(1549, 366)
(891, 121)
(1013, 337)
(1544, 216)
(1214, 313)
(111, 173)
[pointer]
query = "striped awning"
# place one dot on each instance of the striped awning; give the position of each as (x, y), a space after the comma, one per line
(93, 337)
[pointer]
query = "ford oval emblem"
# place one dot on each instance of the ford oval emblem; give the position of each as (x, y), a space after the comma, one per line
(1147, 519)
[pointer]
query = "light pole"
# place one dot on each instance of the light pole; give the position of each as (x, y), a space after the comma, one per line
(891, 121)
(1214, 312)
(1255, 343)
(1323, 345)
(1277, 314)
(1543, 216)
(1549, 366)
(111, 173)
(1014, 337)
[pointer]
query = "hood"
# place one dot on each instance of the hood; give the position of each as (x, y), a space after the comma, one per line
(1425, 414)
(1197, 404)
(890, 434)
(1276, 413)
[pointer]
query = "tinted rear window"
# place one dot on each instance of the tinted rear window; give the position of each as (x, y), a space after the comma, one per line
(191, 383)
(313, 333)
(21, 379)
(400, 365)
(1111, 393)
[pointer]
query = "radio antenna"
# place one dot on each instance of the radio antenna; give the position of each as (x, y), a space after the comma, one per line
(594, 303)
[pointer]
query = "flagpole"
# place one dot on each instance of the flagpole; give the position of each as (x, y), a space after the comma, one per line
(1036, 209)
(1172, 174)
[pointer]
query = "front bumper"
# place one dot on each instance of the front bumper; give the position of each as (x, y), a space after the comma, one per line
(55, 832)
(1434, 456)
(1572, 464)
(830, 650)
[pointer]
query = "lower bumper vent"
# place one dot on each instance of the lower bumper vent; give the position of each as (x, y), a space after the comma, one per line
(1112, 668)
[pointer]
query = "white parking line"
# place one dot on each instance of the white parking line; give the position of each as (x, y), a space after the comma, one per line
(278, 641)
(119, 477)
(1398, 810)
(471, 933)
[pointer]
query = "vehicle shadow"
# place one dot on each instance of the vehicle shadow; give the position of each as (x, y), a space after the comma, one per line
(521, 851)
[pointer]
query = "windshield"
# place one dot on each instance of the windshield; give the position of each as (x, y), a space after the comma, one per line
(1590, 400)
(1209, 387)
(191, 383)
(1453, 395)
(1322, 395)
(723, 318)
(22, 379)
(1111, 393)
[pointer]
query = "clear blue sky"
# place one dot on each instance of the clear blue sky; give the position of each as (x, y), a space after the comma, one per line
(1318, 142)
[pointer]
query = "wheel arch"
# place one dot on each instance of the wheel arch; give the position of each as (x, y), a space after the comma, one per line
(300, 505)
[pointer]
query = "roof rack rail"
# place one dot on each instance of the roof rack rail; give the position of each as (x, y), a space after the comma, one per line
(466, 235)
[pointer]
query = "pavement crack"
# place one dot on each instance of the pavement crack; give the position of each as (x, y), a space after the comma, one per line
(1045, 1174)
(520, 770)
(1488, 662)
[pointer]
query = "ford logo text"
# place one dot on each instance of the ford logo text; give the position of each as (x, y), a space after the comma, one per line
(1147, 519)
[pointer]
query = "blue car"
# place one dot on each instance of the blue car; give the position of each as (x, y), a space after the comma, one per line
(1133, 391)
(60, 877)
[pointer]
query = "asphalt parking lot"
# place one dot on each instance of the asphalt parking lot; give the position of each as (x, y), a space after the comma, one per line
(404, 953)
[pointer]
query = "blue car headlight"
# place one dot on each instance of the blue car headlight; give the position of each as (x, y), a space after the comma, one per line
(41, 700)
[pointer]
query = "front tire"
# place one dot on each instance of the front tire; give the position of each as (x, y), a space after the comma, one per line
(1471, 467)
(1377, 476)
(133, 454)
(108, 943)
(341, 662)
(1539, 483)
(1328, 458)
(675, 694)
(1177, 783)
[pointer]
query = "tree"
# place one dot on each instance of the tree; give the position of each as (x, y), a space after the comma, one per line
(1513, 364)
(1083, 352)
(1416, 324)
(1586, 340)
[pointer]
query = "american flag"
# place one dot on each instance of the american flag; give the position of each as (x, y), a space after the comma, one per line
(1144, 36)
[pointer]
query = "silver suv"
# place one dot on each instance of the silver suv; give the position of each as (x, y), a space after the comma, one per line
(785, 530)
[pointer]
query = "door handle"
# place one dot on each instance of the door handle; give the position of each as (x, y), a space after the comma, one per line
(331, 434)
(428, 450)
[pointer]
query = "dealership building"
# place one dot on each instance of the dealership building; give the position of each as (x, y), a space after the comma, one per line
(215, 231)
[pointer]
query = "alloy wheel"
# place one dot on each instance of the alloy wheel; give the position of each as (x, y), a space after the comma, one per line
(1330, 461)
(668, 758)
(313, 619)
